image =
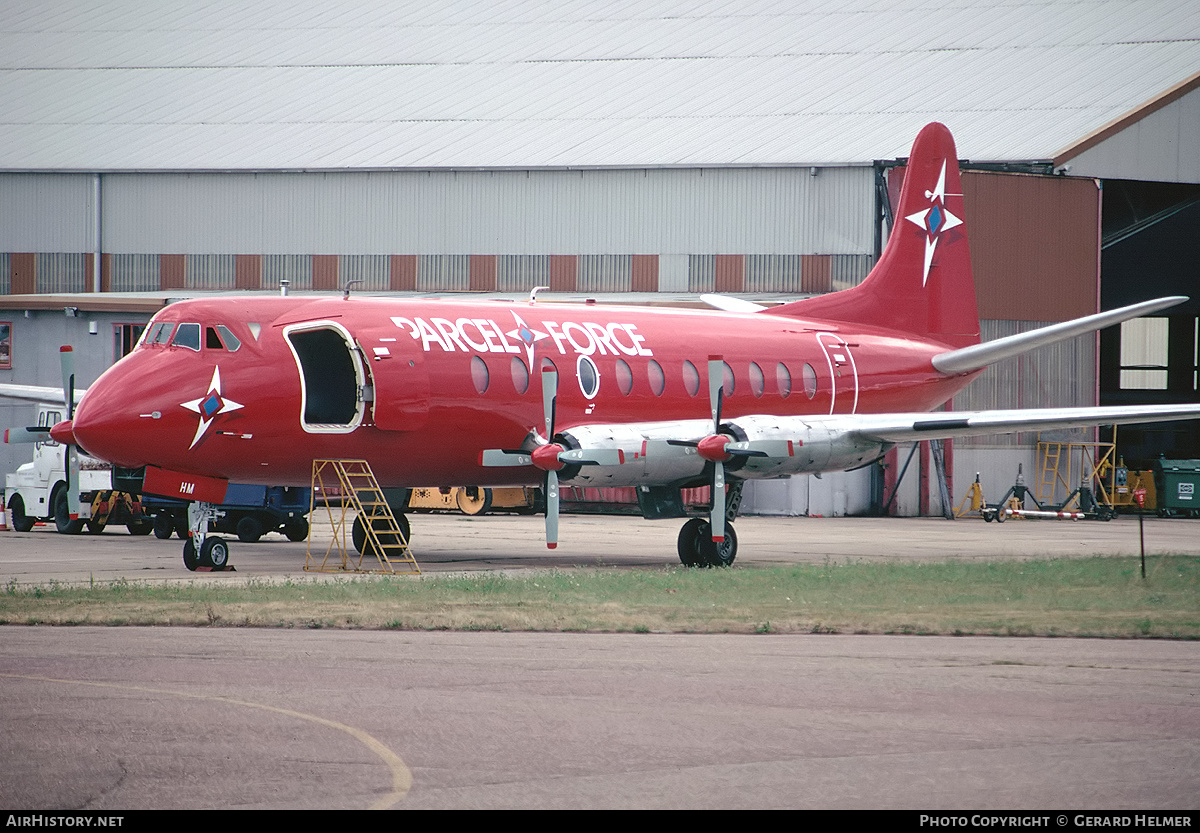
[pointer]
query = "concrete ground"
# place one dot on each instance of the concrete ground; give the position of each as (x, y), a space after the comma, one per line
(442, 542)
(114, 719)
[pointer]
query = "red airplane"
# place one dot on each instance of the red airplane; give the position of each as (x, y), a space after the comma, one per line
(253, 389)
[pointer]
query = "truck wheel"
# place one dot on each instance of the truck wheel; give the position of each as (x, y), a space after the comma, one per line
(16, 510)
(140, 528)
(296, 529)
(249, 530)
(164, 526)
(477, 505)
(62, 515)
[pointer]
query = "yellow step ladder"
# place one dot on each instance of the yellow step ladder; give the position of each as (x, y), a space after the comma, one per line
(358, 511)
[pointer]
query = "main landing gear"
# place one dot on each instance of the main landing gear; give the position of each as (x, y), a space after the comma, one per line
(696, 545)
(698, 549)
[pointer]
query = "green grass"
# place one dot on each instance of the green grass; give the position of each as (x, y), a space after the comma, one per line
(1067, 597)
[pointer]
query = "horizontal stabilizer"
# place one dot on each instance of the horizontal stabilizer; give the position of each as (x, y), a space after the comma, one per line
(978, 356)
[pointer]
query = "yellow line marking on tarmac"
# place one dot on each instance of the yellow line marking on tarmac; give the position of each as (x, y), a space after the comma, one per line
(401, 774)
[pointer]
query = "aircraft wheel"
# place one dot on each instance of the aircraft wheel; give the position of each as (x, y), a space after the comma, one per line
(62, 515)
(214, 553)
(249, 530)
(689, 542)
(714, 554)
(478, 505)
(359, 534)
(296, 529)
(16, 512)
(190, 559)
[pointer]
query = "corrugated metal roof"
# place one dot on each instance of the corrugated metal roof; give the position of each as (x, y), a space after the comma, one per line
(308, 84)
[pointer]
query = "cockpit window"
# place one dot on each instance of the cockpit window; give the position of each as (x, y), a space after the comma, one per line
(188, 335)
(231, 341)
(160, 333)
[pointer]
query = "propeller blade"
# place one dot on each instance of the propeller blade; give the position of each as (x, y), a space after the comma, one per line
(504, 457)
(717, 518)
(593, 456)
(551, 509)
(66, 357)
(72, 465)
(32, 434)
(549, 398)
(716, 389)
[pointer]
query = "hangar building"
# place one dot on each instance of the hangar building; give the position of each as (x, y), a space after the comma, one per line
(640, 152)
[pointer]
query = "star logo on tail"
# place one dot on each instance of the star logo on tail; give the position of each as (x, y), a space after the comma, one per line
(209, 406)
(935, 220)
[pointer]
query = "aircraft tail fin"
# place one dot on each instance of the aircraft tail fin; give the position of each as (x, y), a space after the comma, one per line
(922, 283)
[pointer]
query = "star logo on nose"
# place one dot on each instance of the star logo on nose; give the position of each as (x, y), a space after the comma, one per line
(935, 219)
(209, 405)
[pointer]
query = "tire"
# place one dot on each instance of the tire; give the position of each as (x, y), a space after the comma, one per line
(296, 529)
(164, 526)
(249, 530)
(481, 504)
(190, 559)
(359, 534)
(62, 515)
(95, 527)
(714, 554)
(214, 553)
(140, 528)
(16, 511)
(688, 543)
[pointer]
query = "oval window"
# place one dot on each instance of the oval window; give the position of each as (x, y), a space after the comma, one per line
(624, 377)
(589, 376)
(691, 378)
(520, 374)
(479, 374)
(810, 380)
(783, 378)
(654, 372)
(757, 382)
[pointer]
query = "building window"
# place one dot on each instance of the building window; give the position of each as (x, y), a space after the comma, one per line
(1144, 354)
(5, 344)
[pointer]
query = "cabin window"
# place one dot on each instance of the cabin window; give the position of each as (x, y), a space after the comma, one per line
(479, 374)
(783, 378)
(691, 378)
(624, 374)
(212, 341)
(589, 376)
(757, 382)
(810, 380)
(520, 374)
(658, 381)
(188, 335)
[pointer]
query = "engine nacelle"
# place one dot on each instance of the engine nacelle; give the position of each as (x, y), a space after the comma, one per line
(791, 445)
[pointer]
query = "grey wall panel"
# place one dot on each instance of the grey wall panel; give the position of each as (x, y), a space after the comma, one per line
(682, 211)
(62, 272)
(297, 269)
(134, 273)
(372, 270)
(46, 213)
(1060, 375)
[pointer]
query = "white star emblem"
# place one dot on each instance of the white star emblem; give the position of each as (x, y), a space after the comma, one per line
(209, 405)
(527, 336)
(935, 219)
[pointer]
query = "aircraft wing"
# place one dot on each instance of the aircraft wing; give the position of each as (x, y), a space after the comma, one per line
(940, 425)
(36, 393)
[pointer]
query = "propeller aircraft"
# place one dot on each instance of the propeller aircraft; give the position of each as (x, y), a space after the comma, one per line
(452, 392)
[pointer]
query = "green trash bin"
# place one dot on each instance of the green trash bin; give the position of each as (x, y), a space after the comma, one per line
(1178, 486)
